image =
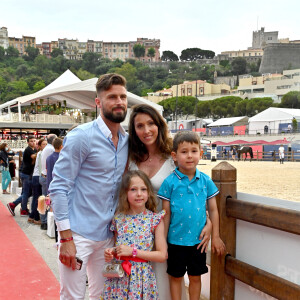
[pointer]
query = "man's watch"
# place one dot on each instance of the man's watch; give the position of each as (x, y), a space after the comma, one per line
(134, 252)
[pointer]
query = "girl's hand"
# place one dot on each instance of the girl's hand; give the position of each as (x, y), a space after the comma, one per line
(109, 254)
(205, 236)
(123, 250)
(217, 245)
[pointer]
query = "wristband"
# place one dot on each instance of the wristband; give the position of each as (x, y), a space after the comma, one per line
(66, 240)
(134, 252)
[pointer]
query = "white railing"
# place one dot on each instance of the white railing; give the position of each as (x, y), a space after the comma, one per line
(44, 118)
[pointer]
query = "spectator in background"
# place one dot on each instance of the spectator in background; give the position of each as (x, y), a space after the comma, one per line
(50, 162)
(4, 164)
(48, 150)
(281, 154)
(51, 159)
(34, 216)
(29, 157)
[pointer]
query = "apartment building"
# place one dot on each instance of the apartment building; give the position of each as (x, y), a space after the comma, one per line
(197, 88)
(114, 50)
(4, 38)
(149, 43)
(273, 85)
(249, 55)
(22, 43)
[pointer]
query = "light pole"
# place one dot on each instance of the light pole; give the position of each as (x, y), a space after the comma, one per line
(196, 109)
(176, 102)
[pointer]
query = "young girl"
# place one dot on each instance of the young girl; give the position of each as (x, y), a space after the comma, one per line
(136, 227)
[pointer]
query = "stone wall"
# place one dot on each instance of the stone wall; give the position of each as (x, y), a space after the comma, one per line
(279, 57)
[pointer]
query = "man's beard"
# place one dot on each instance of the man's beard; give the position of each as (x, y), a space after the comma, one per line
(116, 118)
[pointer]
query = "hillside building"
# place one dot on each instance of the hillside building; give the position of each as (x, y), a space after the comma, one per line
(4, 38)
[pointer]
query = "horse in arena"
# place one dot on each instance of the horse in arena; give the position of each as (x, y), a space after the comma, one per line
(246, 150)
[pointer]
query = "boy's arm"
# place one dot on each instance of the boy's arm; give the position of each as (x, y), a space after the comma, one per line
(167, 217)
(216, 242)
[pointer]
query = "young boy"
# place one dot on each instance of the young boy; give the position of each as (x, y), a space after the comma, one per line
(184, 194)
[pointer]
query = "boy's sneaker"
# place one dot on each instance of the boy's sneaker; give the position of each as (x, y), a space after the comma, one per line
(11, 208)
(24, 212)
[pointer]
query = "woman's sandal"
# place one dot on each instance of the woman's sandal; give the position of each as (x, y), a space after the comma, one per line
(5, 192)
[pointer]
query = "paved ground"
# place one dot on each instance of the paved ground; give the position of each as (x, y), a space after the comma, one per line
(39, 238)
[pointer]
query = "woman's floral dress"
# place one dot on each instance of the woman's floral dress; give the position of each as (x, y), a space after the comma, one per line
(135, 230)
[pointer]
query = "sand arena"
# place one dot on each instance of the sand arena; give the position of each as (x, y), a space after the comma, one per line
(269, 179)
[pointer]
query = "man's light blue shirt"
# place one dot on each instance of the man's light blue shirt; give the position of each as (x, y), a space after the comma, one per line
(86, 180)
(187, 204)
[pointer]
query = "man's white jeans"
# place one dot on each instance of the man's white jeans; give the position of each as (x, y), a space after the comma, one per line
(73, 283)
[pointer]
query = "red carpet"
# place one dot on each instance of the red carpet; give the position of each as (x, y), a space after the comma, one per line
(23, 272)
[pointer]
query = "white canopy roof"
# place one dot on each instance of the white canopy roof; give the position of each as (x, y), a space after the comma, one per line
(228, 121)
(78, 94)
(276, 114)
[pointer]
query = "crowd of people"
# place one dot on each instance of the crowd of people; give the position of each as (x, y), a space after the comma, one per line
(135, 199)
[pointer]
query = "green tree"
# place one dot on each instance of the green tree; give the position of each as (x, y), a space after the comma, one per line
(203, 109)
(22, 70)
(139, 50)
(12, 51)
(151, 52)
(83, 74)
(169, 56)
(291, 100)
(2, 53)
(129, 72)
(239, 66)
(41, 63)
(18, 87)
(31, 53)
(295, 125)
(56, 52)
(90, 61)
(193, 54)
(3, 88)
(38, 86)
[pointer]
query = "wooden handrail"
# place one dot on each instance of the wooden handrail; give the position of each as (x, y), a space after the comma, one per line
(264, 281)
(275, 217)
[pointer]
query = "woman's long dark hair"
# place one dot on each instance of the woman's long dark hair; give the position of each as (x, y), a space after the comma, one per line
(137, 150)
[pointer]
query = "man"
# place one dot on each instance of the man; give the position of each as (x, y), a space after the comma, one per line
(281, 154)
(29, 157)
(48, 150)
(84, 189)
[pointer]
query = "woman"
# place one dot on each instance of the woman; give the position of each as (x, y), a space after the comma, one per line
(4, 165)
(150, 147)
(34, 216)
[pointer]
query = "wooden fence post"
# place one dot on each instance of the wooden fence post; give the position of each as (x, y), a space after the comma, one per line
(221, 284)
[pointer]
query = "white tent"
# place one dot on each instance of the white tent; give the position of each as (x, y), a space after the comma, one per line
(272, 117)
(78, 94)
(235, 121)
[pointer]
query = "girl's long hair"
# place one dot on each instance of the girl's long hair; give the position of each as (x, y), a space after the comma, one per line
(137, 150)
(123, 206)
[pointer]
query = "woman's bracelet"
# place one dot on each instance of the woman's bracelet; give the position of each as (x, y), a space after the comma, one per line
(66, 240)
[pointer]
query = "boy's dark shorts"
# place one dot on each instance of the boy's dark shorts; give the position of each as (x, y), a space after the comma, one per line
(182, 259)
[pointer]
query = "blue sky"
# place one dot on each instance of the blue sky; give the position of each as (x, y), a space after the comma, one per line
(212, 25)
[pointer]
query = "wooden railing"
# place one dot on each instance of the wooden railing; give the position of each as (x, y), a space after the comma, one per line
(225, 269)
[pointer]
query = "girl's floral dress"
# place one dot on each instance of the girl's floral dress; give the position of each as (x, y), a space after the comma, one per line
(135, 230)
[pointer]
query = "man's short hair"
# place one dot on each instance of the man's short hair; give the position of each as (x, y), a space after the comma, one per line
(51, 137)
(106, 81)
(30, 137)
(57, 142)
(185, 136)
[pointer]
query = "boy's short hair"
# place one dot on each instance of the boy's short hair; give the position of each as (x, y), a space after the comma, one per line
(185, 136)
(106, 81)
(57, 142)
